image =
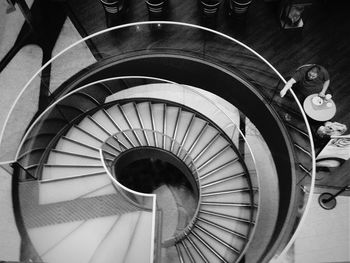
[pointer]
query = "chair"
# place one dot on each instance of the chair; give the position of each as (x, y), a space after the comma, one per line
(291, 12)
(209, 8)
(114, 11)
(303, 66)
(239, 8)
(156, 9)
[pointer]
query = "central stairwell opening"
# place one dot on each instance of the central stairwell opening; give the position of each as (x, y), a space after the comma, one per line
(153, 171)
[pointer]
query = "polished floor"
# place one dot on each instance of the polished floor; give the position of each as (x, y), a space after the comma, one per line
(324, 39)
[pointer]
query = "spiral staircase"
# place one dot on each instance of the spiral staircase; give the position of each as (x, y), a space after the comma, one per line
(72, 175)
(79, 199)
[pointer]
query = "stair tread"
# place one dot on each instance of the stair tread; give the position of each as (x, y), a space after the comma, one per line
(52, 191)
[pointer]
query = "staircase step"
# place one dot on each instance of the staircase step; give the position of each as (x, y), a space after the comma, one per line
(223, 227)
(199, 153)
(131, 115)
(238, 230)
(184, 253)
(201, 245)
(223, 250)
(59, 191)
(232, 218)
(194, 250)
(58, 157)
(144, 109)
(227, 169)
(228, 195)
(194, 134)
(67, 145)
(83, 136)
(71, 242)
(140, 247)
(94, 127)
(64, 171)
(184, 126)
(115, 246)
(103, 117)
(217, 152)
(118, 115)
(158, 118)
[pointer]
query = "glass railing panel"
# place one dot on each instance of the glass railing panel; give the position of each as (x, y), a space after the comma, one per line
(22, 113)
(38, 140)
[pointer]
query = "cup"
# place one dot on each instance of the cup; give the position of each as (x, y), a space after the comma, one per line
(328, 97)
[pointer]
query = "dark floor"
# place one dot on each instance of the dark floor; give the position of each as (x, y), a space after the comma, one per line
(324, 39)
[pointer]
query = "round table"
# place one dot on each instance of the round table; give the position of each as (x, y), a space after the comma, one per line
(322, 112)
